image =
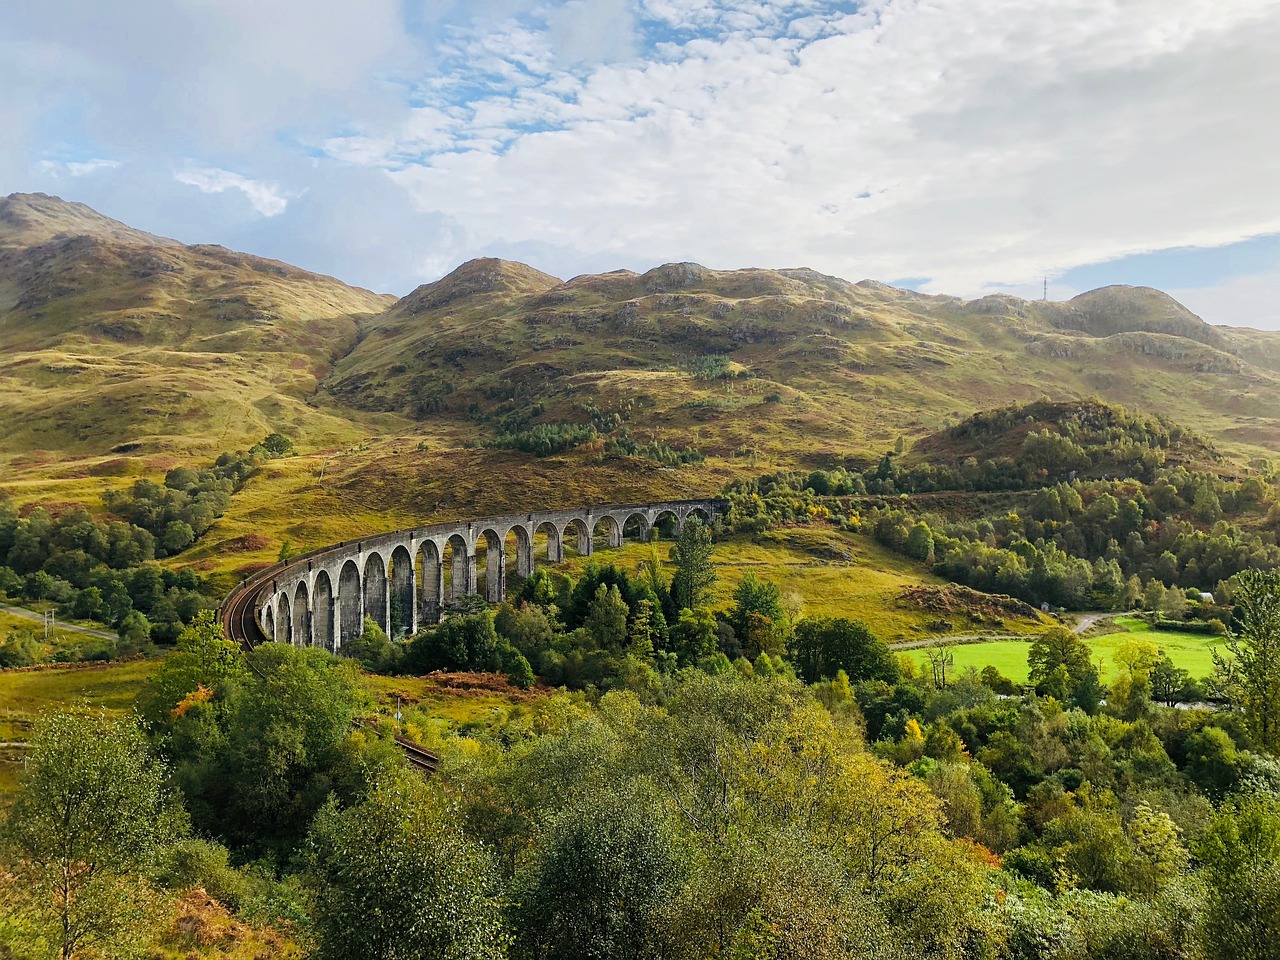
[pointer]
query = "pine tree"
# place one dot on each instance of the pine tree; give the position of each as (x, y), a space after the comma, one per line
(691, 555)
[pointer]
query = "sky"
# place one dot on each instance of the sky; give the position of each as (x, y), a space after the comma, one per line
(954, 146)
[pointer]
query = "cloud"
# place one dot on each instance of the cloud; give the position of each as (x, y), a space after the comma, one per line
(74, 168)
(266, 198)
(197, 76)
(975, 143)
(1249, 301)
(980, 143)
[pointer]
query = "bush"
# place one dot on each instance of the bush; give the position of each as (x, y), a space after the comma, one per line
(712, 366)
(546, 439)
(519, 672)
(459, 642)
(203, 863)
(823, 646)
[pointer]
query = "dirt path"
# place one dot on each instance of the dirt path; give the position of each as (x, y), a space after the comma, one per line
(951, 640)
(39, 618)
(1089, 619)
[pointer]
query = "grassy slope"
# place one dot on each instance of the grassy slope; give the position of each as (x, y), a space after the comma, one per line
(110, 338)
(832, 573)
(853, 366)
(25, 694)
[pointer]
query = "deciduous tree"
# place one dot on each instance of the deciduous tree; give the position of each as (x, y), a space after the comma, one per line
(396, 876)
(1250, 672)
(91, 813)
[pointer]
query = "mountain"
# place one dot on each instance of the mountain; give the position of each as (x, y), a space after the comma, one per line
(120, 347)
(789, 365)
(111, 337)
(29, 219)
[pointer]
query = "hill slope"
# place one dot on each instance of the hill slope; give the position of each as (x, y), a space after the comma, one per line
(789, 364)
(111, 337)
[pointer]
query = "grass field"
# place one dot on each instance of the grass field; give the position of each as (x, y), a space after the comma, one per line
(25, 694)
(1191, 651)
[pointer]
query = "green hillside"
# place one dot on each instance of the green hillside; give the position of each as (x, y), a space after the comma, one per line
(114, 341)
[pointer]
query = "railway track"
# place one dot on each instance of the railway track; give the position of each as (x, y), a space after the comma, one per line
(241, 626)
(419, 757)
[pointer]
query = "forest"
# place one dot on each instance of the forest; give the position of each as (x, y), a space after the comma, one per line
(1096, 512)
(824, 799)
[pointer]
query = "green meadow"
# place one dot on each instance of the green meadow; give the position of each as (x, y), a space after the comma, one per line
(1191, 651)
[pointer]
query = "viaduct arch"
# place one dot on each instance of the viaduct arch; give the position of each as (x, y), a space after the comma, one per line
(401, 579)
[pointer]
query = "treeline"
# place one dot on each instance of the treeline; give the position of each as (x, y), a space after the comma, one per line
(103, 569)
(549, 439)
(183, 508)
(606, 433)
(1041, 444)
(1098, 544)
(1046, 441)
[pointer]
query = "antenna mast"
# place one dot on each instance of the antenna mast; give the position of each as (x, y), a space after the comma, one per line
(1045, 295)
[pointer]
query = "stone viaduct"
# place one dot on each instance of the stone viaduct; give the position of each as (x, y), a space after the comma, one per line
(401, 579)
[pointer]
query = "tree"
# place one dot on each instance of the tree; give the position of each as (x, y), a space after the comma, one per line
(373, 649)
(1206, 505)
(1132, 690)
(1250, 672)
(757, 613)
(1058, 648)
(530, 628)
(134, 629)
(459, 642)
(1241, 853)
(920, 542)
(643, 630)
(822, 646)
(1153, 595)
(91, 812)
(1171, 684)
(204, 658)
(177, 536)
(940, 661)
(259, 743)
(694, 574)
(607, 618)
(1173, 605)
(277, 445)
(1159, 853)
(396, 876)
(694, 636)
(599, 884)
